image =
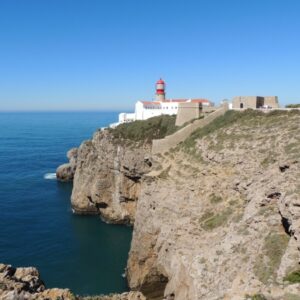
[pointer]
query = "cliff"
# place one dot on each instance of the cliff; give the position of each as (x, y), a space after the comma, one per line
(107, 177)
(107, 169)
(215, 218)
(218, 217)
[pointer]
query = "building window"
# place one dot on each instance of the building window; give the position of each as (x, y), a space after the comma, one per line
(241, 105)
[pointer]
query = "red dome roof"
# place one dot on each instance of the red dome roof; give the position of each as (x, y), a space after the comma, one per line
(160, 81)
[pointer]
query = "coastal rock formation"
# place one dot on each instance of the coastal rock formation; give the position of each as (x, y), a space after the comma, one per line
(218, 217)
(215, 218)
(66, 171)
(107, 177)
(25, 283)
(109, 168)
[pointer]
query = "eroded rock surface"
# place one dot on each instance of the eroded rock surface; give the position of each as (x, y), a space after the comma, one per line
(218, 218)
(25, 283)
(107, 178)
(66, 171)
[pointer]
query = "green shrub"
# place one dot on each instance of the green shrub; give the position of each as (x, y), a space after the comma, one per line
(293, 106)
(293, 277)
(146, 130)
(207, 214)
(256, 297)
(217, 220)
(215, 199)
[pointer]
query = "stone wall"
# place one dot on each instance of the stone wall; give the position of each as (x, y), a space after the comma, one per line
(208, 109)
(271, 101)
(171, 141)
(244, 102)
(187, 111)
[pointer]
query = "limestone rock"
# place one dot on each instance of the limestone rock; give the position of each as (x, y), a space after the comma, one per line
(66, 171)
(107, 177)
(216, 218)
(25, 283)
(220, 219)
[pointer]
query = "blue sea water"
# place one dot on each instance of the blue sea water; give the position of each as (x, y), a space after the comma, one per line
(37, 227)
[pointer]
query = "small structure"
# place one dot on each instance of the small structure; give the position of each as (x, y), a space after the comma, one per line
(160, 90)
(254, 102)
(162, 106)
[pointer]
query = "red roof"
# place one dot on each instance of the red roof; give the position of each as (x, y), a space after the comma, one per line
(190, 100)
(150, 102)
(199, 100)
(160, 81)
(175, 100)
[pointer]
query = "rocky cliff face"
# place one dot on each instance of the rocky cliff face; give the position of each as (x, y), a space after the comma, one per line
(218, 218)
(108, 177)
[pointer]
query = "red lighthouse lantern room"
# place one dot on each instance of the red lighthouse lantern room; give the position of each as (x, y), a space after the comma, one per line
(160, 90)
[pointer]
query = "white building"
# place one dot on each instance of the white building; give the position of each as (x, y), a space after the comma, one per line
(161, 106)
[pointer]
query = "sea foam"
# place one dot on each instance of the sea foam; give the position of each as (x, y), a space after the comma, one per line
(50, 176)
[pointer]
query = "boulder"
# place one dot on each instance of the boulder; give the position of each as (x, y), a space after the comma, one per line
(65, 172)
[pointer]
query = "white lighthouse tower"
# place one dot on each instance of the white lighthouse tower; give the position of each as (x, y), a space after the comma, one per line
(160, 90)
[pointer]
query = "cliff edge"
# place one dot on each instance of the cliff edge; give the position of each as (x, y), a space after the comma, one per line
(107, 170)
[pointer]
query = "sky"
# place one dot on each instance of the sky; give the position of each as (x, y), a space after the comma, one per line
(106, 55)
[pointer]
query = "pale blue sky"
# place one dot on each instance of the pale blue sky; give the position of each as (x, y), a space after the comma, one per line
(94, 54)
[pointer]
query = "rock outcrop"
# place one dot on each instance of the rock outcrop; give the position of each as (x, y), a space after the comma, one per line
(66, 171)
(107, 177)
(25, 283)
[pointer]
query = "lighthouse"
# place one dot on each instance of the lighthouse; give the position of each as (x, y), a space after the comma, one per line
(160, 90)
(161, 106)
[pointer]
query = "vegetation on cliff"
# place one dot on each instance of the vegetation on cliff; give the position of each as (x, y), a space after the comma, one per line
(146, 130)
(293, 277)
(247, 118)
(293, 106)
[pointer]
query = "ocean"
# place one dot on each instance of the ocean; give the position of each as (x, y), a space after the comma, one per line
(37, 226)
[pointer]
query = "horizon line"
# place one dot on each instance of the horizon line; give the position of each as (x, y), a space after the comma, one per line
(59, 110)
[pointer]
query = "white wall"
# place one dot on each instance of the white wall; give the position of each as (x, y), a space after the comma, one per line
(139, 110)
(169, 108)
(124, 117)
(146, 111)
